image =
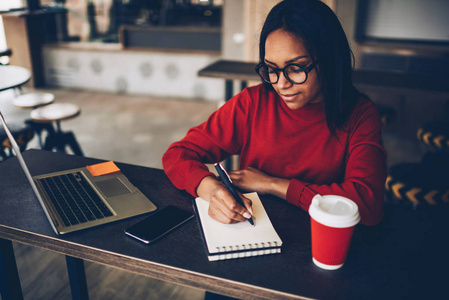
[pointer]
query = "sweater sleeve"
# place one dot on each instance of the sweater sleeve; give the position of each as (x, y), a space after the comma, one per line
(212, 141)
(365, 172)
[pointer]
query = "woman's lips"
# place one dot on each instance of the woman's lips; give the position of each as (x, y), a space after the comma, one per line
(289, 97)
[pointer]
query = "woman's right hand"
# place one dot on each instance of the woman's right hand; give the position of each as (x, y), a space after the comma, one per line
(223, 207)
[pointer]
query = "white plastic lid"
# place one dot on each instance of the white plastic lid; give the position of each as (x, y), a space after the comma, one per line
(334, 211)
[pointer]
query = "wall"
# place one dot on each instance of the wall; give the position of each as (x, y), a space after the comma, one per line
(164, 74)
(414, 106)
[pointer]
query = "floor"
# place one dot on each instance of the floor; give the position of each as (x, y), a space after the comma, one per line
(135, 130)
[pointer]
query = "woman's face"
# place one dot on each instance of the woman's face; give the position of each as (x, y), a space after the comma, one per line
(283, 48)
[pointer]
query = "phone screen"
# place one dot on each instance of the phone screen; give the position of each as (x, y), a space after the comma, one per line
(158, 224)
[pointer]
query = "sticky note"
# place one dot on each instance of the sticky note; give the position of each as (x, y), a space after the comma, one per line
(103, 168)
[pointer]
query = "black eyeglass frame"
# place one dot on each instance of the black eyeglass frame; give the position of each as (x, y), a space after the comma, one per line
(306, 70)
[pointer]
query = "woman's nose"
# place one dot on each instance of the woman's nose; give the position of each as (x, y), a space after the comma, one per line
(283, 82)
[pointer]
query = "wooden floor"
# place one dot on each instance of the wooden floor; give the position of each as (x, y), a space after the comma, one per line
(43, 275)
(131, 129)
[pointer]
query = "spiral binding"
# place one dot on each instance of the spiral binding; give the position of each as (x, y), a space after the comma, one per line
(240, 248)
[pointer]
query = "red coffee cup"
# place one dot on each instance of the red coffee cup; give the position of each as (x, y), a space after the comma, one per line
(333, 219)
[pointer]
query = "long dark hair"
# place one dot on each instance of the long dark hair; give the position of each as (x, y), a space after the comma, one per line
(324, 39)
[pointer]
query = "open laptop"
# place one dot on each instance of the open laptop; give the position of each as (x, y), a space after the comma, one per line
(75, 200)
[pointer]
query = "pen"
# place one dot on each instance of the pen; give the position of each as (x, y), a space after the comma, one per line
(228, 183)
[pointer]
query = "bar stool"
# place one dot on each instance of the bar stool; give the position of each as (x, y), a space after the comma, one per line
(54, 114)
(33, 101)
(23, 133)
(4, 56)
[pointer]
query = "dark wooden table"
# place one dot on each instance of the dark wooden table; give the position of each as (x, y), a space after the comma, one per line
(405, 257)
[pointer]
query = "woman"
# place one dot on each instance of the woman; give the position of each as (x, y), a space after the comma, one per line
(304, 131)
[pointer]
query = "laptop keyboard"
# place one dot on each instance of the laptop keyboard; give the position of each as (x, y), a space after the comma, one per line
(74, 198)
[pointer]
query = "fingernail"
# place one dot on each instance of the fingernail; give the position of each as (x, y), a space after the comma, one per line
(250, 211)
(247, 215)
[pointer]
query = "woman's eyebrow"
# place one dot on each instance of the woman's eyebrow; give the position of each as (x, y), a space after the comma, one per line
(289, 61)
(296, 58)
(272, 63)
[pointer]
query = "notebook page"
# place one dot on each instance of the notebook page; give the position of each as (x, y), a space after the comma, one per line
(240, 236)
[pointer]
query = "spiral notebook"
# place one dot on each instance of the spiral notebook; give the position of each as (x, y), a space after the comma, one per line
(227, 241)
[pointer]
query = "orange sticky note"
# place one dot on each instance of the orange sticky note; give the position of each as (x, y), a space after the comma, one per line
(103, 168)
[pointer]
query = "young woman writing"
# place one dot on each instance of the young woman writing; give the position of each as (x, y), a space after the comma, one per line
(305, 130)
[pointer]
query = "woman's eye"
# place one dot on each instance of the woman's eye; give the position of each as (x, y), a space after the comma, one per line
(295, 69)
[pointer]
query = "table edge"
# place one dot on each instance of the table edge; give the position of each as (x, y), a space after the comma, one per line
(140, 266)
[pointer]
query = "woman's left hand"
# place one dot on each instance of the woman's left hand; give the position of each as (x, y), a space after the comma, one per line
(252, 179)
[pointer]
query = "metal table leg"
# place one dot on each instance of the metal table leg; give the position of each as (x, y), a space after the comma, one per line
(77, 278)
(10, 287)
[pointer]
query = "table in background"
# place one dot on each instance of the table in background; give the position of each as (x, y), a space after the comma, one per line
(13, 77)
(231, 70)
(405, 257)
(245, 71)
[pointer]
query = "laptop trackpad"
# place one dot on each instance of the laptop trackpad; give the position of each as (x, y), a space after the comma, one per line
(112, 187)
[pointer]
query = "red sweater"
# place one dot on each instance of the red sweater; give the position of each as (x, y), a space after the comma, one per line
(292, 144)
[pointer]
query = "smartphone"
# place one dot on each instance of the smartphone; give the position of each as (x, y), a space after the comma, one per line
(158, 224)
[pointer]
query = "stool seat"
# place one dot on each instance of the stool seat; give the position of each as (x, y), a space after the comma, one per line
(55, 112)
(33, 100)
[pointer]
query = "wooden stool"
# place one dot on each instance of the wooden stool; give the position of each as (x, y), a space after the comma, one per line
(33, 100)
(22, 132)
(54, 114)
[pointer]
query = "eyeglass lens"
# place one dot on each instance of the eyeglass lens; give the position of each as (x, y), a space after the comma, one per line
(293, 73)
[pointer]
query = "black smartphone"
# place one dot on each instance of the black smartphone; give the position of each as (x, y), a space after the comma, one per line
(158, 224)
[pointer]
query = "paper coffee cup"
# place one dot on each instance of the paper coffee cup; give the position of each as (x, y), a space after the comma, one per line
(333, 219)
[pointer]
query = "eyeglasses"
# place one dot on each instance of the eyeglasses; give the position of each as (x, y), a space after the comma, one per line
(294, 73)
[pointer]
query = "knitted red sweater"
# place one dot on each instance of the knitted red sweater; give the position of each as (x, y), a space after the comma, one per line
(292, 144)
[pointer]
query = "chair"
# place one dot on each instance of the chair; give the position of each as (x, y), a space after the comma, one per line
(387, 114)
(54, 114)
(435, 135)
(426, 183)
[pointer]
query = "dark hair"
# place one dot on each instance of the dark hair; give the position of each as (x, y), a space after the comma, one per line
(324, 39)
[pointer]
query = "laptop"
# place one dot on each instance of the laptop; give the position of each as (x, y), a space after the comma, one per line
(74, 199)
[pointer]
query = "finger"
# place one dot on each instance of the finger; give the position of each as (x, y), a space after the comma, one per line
(237, 210)
(235, 174)
(235, 178)
(223, 207)
(240, 209)
(219, 216)
(248, 204)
